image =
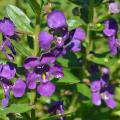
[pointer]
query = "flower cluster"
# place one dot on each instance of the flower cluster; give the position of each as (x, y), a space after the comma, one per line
(60, 36)
(110, 31)
(102, 90)
(40, 68)
(7, 28)
(7, 72)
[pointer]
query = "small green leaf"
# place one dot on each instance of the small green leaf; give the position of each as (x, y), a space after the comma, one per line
(73, 23)
(68, 78)
(19, 18)
(84, 90)
(17, 108)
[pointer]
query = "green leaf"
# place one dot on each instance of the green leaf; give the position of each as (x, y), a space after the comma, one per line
(84, 90)
(73, 23)
(20, 49)
(19, 18)
(68, 78)
(3, 115)
(35, 6)
(87, 13)
(17, 108)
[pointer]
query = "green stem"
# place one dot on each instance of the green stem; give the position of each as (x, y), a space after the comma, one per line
(72, 106)
(36, 42)
(23, 32)
(88, 39)
(33, 114)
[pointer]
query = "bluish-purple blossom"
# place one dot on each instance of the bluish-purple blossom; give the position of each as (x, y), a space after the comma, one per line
(110, 31)
(7, 73)
(7, 28)
(102, 90)
(57, 108)
(40, 68)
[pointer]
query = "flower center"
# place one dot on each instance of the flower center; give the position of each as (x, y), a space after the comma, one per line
(104, 96)
(42, 69)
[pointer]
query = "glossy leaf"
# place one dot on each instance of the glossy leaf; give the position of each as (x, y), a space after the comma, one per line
(20, 49)
(19, 18)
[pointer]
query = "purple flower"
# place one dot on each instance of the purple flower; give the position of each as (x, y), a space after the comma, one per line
(56, 19)
(58, 51)
(93, 69)
(110, 31)
(60, 35)
(112, 41)
(114, 7)
(40, 68)
(58, 108)
(111, 27)
(101, 90)
(18, 87)
(45, 40)
(76, 36)
(72, 42)
(7, 29)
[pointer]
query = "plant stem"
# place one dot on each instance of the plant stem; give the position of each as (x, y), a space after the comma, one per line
(36, 42)
(33, 114)
(24, 32)
(72, 106)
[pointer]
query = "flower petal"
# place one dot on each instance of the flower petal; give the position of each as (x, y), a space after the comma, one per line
(79, 34)
(9, 69)
(111, 27)
(46, 89)
(19, 88)
(31, 80)
(45, 40)
(47, 58)
(96, 98)
(57, 71)
(95, 86)
(6, 86)
(58, 51)
(111, 103)
(112, 45)
(109, 99)
(75, 45)
(5, 102)
(114, 7)
(31, 62)
(56, 19)
(7, 27)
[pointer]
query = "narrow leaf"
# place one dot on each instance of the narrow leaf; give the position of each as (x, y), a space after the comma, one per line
(17, 108)
(35, 6)
(19, 18)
